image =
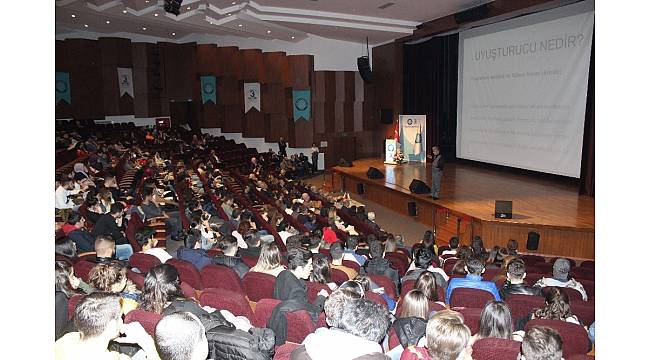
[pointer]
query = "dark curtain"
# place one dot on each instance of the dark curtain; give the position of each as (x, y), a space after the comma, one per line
(430, 88)
(587, 172)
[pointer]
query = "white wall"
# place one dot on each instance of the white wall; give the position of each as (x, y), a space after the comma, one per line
(329, 54)
(262, 146)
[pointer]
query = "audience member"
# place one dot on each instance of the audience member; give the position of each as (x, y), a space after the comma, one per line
(336, 251)
(229, 256)
(495, 322)
(473, 280)
(321, 273)
(560, 278)
(269, 261)
(558, 307)
(181, 336)
(447, 339)
(74, 228)
(111, 277)
(66, 247)
(515, 281)
(378, 265)
(145, 237)
(108, 225)
(350, 251)
(541, 343)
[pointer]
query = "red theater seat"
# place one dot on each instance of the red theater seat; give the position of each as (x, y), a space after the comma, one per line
(187, 272)
(147, 319)
(222, 299)
(143, 262)
(258, 286)
(574, 337)
(470, 298)
(221, 277)
(495, 349)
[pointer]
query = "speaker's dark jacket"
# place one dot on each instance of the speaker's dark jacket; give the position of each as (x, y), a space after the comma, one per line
(518, 289)
(441, 161)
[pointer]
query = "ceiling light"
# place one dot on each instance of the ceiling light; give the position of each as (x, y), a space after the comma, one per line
(85, 25)
(268, 31)
(74, 16)
(293, 37)
(144, 28)
(229, 14)
(156, 14)
(173, 34)
(123, 11)
(189, 7)
(108, 22)
(240, 25)
(233, 3)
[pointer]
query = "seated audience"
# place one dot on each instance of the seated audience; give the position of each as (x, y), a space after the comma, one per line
(269, 261)
(515, 281)
(66, 285)
(145, 237)
(541, 343)
(426, 283)
(422, 261)
(368, 285)
(411, 324)
(478, 249)
(464, 253)
(321, 273)
(111, 277)
(229, 258)
(512, 247)
(495, 322)
(350, 251)
(74, 228)
(98, 320)
(191, 250)
(558, 307)
(253, 248)
(473, 280)
(66, 247)
(181, 336)
(358, 326)
(560, 278)
(378, 265)
(336, 251)
(453, 247)
(108, 225)
(105, 250)
(447, 339)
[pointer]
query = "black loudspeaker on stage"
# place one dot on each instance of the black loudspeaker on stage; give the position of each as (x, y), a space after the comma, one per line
(419, 187)
(360, 189)
(533, 241)
(503, 209)
(374, 173)
(413, 209)
(344, 163)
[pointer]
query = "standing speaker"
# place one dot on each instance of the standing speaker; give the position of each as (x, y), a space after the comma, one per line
(374, 173)
(419, 187)
(533, 241)
(363, 63)
(360, 189)
(413, 209)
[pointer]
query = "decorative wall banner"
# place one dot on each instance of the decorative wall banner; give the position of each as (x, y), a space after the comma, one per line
(391, 149)
(252, 97)
(125, 79)
(62, 87)
(412, 132)
(301, 104)
(208, 89)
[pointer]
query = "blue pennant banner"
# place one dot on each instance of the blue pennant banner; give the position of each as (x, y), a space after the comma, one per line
(208, 89)
(62, 87)
(301, 104)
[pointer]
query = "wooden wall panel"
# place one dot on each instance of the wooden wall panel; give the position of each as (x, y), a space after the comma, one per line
(276, 65)
(125, 60)
(63, 110)
(339, 115)
(206, 59)
(301, 68)
(233, 116)
(229, 62)
(85, 79)
(304, 133)
(274, 99)
(140, 81)
(110, 85)
(229, 91)
(252, 65)
(254, 124)
(157, 95)
(348, 116)
(206, 64)
(277, 125)
(318, 117)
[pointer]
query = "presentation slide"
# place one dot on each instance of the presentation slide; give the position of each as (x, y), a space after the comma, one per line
(522, 89)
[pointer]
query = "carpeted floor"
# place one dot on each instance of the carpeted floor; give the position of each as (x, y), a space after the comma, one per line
(387, 219)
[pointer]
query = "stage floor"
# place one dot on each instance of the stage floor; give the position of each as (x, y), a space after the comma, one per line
(472, 190)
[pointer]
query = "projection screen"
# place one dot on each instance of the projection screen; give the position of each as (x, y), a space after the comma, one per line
(522, 90)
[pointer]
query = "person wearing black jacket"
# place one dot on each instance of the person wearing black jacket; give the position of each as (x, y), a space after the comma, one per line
(515, 281)
(229, 258)
(437, 164)
(282, 145)
(107, 225)
(379, 265)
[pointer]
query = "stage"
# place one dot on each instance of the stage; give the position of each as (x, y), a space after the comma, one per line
(552, 207)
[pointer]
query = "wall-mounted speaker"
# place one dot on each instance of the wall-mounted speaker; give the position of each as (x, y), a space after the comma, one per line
(413, 209)
(533, 241)
(360, 189)
(419, 187)
(363, 63)
(374, 173)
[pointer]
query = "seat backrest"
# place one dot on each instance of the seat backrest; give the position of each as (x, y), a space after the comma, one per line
(188, 290)
(147, 319)
(588, 264)
(574, 295)
(249, 261)
(449, 265)
(393, 339)
(581, 273)
(299, 325)
(574, 337)
(258, 286)
(187, 272)
(407, 286)
(544, 268)
(263, 310)
(135, 224)
(72, 304)
(532, 278)
(136, 278)
(338, 276)
(495, 349)
(532, 259)
(284, 352)
(386, 283)
(82, 269)
(398, 262)
(313, 288)
(143, 262)
(376, 298)
(522, 305)
(471, 298)
(222, 299)
(221, 277)
(584, 310)
(472, 317)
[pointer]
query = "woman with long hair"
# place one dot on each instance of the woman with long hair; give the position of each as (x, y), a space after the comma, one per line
(426, 283)
(65, 287)
(270, 260)
(414, 304)
(321, 272)
(495, 322)
(411, 324)
(558, 306)
(66, 247)
(463, 254)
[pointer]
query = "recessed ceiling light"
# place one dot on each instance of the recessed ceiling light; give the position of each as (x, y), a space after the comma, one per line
(74, 16)
(240, 25)
(268, 31)
(229, 14)
(147, 1)
(85, 25)
(123, 11)
(189, 7)
(233, 3)
(156, 14)
(108, 22)
(293, 37)
(173, 34)
(144, 28)
(211, 23)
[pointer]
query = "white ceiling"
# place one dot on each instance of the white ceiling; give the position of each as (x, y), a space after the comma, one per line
(288, 20)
